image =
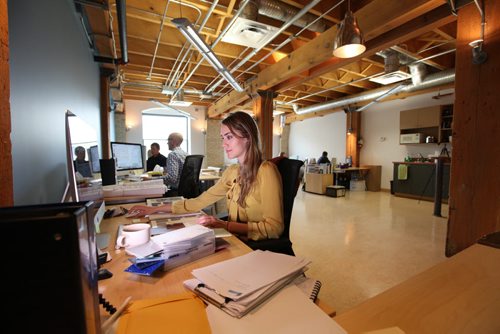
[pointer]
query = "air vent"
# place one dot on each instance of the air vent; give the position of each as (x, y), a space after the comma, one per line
(389, 78)
(249, 33)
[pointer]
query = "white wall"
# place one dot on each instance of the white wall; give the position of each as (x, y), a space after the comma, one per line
(379, 131)
(133, 118)
(51, 70)
(310, 137)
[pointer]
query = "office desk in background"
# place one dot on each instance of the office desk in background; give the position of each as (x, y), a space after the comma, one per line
(459, 295)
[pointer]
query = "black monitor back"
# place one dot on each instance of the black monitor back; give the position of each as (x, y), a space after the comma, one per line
(49, 279)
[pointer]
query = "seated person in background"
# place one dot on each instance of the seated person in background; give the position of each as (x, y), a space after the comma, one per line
(82, 166)
(252, 188)
(175, 160)
(156, 158)
(324, 158)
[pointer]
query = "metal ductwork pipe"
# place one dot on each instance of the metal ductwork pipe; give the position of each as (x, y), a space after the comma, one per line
(418, 72)
(122, 27)
(281, 11)
(391, 60)
(432, 80)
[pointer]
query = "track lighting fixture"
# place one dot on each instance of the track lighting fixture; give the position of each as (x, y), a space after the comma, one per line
(187, 29)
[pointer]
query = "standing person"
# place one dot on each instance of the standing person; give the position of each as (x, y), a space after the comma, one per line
(175, 160)
(252, 187)
(156, 158)
(324, 158)
(82, 166)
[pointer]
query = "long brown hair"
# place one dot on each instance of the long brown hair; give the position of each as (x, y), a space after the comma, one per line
(242, 125)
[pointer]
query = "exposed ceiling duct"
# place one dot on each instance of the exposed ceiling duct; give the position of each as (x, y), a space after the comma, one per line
(281, 11)
(432, 80)
(392, 68)
(247, 31)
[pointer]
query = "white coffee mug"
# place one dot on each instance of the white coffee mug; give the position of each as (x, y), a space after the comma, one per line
(133, 235)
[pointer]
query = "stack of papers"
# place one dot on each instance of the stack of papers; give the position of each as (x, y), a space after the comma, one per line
(240, 284)
(177, 247)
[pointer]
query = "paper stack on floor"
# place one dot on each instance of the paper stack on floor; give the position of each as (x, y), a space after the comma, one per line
(240, 284)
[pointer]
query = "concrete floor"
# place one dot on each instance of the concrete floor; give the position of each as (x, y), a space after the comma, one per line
(365, 243)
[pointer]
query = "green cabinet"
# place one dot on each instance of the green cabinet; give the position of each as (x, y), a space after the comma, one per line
(421, 181)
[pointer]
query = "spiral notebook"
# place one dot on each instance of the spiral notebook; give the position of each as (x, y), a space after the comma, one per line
(309, 286)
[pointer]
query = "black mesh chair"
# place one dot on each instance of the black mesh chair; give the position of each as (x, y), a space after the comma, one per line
(190, 177)
(289, 170)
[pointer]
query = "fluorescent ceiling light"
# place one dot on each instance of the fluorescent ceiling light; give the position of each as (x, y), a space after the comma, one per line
(186, 28)
(163, 105)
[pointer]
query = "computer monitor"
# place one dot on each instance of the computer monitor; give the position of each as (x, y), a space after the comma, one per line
(94, 159)
(128, 156)
(50, 269)
(82, 190)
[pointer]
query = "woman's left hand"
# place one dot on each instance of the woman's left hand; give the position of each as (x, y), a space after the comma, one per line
(211, 221)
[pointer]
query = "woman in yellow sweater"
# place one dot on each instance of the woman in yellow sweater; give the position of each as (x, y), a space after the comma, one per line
(252, 187)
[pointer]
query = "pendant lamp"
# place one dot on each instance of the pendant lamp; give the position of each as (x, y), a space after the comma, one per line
(349, 41)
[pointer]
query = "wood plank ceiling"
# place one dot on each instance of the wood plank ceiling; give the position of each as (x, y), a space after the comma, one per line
(303, 71)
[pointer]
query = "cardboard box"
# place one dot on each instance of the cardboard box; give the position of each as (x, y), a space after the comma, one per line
(317, 183)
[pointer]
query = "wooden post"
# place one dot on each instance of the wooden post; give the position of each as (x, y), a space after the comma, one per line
(104, 112)
(474, 182)
(6, 179)
(263, 110)
(353, 121)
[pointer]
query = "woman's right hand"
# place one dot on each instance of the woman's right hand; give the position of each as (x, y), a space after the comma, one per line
(138, 211)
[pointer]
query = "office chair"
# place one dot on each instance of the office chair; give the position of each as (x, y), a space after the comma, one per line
(289, 170)
(190, 177)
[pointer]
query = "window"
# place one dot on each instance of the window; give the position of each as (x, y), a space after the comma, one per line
(157, 128)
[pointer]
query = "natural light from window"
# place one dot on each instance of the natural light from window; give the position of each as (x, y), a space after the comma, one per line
(156, 128)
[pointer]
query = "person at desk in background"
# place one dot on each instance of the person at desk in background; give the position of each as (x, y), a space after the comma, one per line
(156, 158)
(324, 158)
(252, 188)
(82, 166)
(175, 160)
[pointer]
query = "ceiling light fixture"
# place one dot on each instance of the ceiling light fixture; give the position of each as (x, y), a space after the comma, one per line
(178, 100)
(349, 41)
(187, 29)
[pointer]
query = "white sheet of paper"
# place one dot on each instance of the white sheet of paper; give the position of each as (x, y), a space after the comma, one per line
(288, 312)
(240, 276)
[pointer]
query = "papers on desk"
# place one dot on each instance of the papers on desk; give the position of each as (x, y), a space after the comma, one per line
(175, 248)
(289, 311)
(240, 284)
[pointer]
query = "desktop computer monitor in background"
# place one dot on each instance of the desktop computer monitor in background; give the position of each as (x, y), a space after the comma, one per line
(49, 284)
(128, 156)
(94, 159)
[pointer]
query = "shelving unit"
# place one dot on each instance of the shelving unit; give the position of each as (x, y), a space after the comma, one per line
(445, 125)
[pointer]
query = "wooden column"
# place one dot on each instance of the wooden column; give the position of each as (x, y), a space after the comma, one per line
(263, 110)
(6, 176)
(474, 204)
(351, 142)
(105, 110)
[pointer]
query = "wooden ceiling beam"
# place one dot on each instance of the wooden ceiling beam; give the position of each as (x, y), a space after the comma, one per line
(319, 50)
(412, 29)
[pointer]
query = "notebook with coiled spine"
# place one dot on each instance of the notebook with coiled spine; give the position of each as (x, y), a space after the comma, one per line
(309, 286)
